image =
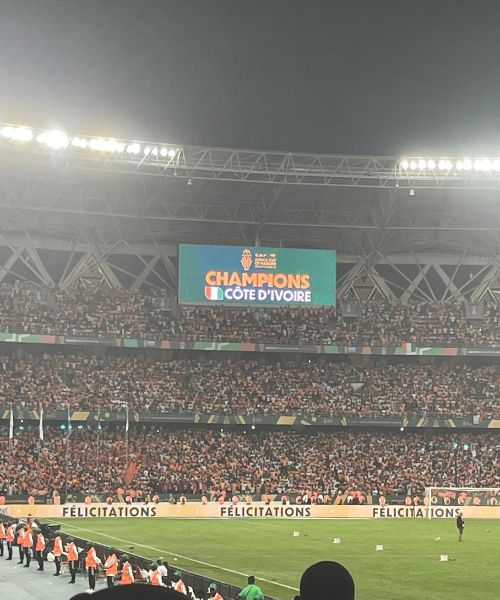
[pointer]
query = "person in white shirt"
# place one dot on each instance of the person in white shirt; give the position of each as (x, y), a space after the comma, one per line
(163, 568)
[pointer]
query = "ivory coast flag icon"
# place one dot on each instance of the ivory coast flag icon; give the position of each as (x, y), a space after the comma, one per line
(213, 293)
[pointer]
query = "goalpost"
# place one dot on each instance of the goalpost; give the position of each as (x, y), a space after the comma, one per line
(451, 497)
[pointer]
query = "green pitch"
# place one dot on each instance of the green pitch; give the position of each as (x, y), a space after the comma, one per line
(407, 569)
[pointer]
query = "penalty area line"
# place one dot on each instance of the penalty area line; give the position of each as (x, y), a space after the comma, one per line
(162, 550)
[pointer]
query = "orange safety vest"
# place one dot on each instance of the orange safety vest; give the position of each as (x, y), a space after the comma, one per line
(27, 540)
(2, 531)
(10, 534)
(40, 543)
(20, 537)
(156, 578)
(217, 596)
(58, 547)
(91, 560)
(72, 552)
(127, 576)
(111, 565)
(180, 587)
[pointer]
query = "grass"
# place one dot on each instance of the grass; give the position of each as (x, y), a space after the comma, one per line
(407, 569)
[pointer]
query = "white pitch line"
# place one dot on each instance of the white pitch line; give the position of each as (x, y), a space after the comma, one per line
(193, 560)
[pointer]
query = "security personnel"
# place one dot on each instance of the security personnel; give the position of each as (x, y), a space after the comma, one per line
(10, 536)
(58, 552)
(127, 573)
(39, 549)
(111, 566)
(156, 576)
(72, 559)
(214, 594)
(179, 585)
(2, 537)
(91, 564)
(27, 545)
(20, 545)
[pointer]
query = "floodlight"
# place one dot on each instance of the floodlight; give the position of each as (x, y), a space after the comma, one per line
(496, 165)
(405, 164)
(53, 139)
(467, 164)
(459, 166)
(110, 145)
(422, 164)
(164, 152)
(445, 165)
(172, 152)
(80, 142)
(147, 150)
(97, 144)
(133, 148)
(154, 151)
(20, 134)
(413, 164)
(431, 164)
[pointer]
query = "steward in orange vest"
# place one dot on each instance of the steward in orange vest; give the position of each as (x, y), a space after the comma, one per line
(9, 538)
(179, 585)
(72, 559)
(127, 574)
(156, 576)
(214, 594)
(91, 563)
(20, 545)
(2, 537)
(39, 549)
(27, 545)
(58, 552)
(111, 566)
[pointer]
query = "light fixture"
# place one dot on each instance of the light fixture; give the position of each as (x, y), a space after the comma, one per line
(164, 152)
(411, 192)
(134, 148)
(79, 142)
(97, 144)
(422, 164)
(19, 134)
(53, 139)
(405, 164)
(172, 153)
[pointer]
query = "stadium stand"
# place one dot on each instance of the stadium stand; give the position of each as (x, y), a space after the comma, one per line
(202, 461)
(254, 386)
(123, 313)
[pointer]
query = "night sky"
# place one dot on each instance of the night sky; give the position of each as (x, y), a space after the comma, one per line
(361, 77)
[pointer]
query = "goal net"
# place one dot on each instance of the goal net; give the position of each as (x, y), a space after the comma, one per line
(453, 497)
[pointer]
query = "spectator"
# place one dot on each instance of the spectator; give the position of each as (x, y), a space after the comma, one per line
(327, 580)
(251, 591)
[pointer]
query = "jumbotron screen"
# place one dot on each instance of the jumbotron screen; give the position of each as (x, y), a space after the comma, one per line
(256, 276)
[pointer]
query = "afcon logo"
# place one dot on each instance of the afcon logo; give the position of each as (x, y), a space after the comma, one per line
(246, 259)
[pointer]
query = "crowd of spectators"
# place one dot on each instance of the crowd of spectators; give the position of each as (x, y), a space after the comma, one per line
(126, 313)
(202, 461)
(248, 386)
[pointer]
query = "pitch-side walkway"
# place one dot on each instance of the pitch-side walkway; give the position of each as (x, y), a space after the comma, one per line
(17, 583)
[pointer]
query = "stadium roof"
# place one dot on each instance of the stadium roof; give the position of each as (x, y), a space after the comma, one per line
(373, 210)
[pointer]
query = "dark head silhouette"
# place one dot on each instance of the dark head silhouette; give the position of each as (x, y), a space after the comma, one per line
(327, 580)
